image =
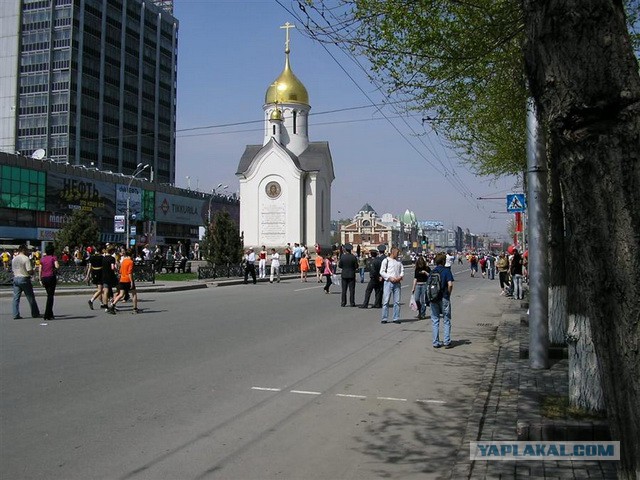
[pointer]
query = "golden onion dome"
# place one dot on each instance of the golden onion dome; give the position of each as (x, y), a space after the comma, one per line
(276, 114)
(287, 88)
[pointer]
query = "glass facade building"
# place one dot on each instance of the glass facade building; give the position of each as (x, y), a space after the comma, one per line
(96, 83)
(22, 188)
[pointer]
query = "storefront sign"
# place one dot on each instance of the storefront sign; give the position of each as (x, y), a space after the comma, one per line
(47, 234)
(175, 209)
(118, 224)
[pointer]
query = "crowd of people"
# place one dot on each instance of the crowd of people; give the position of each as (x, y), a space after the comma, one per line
(177, 255)
(341, 265)
(511, 267)
(432, 283)
(109, 268)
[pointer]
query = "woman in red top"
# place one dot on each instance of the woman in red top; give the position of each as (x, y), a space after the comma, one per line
(48, 279)
(327, 271)
(262, 264)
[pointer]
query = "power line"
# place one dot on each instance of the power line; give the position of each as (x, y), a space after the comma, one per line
(449, 175)
(360, 120)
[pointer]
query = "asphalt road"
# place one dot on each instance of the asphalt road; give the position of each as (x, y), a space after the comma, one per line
(239, 382)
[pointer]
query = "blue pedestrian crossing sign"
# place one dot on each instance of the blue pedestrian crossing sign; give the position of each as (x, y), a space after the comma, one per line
(516, 202)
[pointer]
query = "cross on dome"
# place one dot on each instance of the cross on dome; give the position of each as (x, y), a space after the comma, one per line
(286, 27)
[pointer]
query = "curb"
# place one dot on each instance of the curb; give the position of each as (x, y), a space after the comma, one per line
(145, 288)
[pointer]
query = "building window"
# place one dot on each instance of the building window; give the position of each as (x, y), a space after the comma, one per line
(22, 188)
(295, 122)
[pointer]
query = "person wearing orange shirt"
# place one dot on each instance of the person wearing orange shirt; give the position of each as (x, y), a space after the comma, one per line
(126, 284)
(319, 264)
(304, 267)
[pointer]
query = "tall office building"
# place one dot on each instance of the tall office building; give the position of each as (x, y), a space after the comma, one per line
(94, 82)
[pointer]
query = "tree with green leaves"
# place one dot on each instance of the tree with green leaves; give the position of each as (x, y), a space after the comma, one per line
(80, 231)
(459, 63)
(221, 243)
(474, 64)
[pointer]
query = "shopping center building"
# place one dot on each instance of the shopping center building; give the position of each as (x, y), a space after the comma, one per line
(37, 197)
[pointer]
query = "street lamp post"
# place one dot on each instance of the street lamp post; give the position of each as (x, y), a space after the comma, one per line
(139, 169)
(213, 192)
(210, 199)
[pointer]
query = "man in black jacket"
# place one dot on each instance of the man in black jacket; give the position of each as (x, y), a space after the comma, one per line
(349, 266)
(374, 278)
(379, 285)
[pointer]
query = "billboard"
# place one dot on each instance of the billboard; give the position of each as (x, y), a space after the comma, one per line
(135, 201)
(184, 210)
(65, 194)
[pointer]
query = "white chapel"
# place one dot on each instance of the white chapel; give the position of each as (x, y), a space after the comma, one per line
(285, 183)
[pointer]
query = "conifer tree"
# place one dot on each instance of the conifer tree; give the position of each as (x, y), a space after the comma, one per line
(221, 243)
(81, 230)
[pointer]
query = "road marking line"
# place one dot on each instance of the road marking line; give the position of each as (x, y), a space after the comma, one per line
(267, 389)
(305, 392)
(347, 395)
(308, 288)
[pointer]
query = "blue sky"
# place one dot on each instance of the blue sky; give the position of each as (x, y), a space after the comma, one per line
(229, 52)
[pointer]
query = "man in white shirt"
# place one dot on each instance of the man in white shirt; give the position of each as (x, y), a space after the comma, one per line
(275, 265)
(449, 259)
(22, 271)
(392, 271)
(250, 266)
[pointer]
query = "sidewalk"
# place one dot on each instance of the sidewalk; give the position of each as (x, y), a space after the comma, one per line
(508, 407)
(144, 287)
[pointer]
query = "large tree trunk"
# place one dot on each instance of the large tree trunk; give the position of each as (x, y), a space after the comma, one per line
(585, 383)
(557, 259)
(585, 388)
(584, 79)
(557, 314)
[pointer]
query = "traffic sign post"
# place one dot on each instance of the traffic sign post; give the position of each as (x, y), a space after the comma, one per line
(516, 202)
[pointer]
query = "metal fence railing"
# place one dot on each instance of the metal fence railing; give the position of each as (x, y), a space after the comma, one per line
(234, 270)
(69, 274)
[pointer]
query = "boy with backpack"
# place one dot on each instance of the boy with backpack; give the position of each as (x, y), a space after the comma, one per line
(439, 287)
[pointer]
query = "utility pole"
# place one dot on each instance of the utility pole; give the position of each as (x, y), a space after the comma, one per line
(139, 169)
(538, 228)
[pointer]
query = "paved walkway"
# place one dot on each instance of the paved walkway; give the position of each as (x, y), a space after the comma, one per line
(508, 408)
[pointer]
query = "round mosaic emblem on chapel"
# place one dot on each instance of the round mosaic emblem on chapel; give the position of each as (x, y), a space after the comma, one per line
(273, 189)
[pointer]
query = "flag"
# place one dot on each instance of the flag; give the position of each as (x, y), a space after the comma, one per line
(518, 222)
